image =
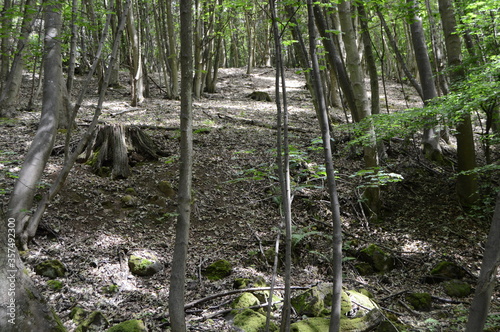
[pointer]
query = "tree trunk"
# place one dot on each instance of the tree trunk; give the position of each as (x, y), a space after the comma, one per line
(332, 187)
(353, 63)
(430, 138)
(466, 184)
(72, 51)
(21, 199)
(487, 277)
(10, 92)
(174, 63)
(178, 275)
(136, 71)
(22, 308)
(6, 26)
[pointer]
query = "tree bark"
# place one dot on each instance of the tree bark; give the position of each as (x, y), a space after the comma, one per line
(466, 154)
(174, 63)
(430, 138)
(22, 308)
(136, 70)
(10, 91)
(178, 275)
(21, 199)
(487, 277)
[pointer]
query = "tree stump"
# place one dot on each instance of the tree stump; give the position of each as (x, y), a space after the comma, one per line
(115, 148)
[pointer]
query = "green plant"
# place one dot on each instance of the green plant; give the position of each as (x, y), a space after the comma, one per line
(376, 177)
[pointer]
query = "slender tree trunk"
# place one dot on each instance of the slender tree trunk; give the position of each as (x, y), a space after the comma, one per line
(466, 154)
(10, 92)
(322, 114)
(21, 199)
(72, 51)
(136, 69)
(487, 277)
(430, 138)
(178, 274)
(6, 26)
(174, 63)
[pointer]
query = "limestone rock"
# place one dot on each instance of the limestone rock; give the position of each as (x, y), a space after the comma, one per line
(144, 263)
(217, 270)
(377, 258)
(456, 288)
(133, 325)
(51, 269)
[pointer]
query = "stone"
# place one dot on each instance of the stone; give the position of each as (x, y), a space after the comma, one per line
(51, 269)
(166, 189)
(313, 324)
(251, 321)
(78, 315)
(133, 325)
(94, 322)
(217, 270)
(317, 301)
(456, 288)
(144, 264)
(445, 270)
(259, 96)
(129, 200)
(420, 301)
(377, 258)
(243, 301)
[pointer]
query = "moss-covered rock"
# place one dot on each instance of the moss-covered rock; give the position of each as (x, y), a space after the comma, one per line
(133, 325)
(317, 301)
(94, 322)
(313, 324)
(217, 270)
(251, 321)
(55, 284)
(166, 189)
(445, 271)
(244, 301)
(420, 301)
(51, 269)
(129, 201)
(456, 288)
(364, 268)
(240, 283)
(110, 289)
(130, 191)
(144, 264)
(377, 258)
(78, 315)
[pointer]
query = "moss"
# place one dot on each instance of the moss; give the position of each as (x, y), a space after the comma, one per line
(94, 322)
(240, 283)
(130, 191)
(445, 271)
(244, 301)
(55, 284)
(217, 270)
(456, 288)
(133, 325)
(377, 258)
(251, 321)
(51, 268)
(166, 189)
(143, 266)
(110, 289)
(93, 158)
(59, 324)
(420, 301)
(314, 324)
(78, 315)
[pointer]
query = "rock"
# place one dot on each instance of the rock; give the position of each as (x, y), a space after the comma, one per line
(240, 283)
(133, 325)
(244, 301)
(130, 191)
(55, 284)
(217, 270)
(166, 189)
(377, 258)
(252, 321)
(456, 288)
(129, 200)
(144, 264)
(78, 315)
(420, 301)
(51, 269)
(313, 324)
(364, 268)
(94, 322)
(259, 96)
(445, 271)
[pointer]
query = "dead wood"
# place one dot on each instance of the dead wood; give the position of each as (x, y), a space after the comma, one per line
(258, 123)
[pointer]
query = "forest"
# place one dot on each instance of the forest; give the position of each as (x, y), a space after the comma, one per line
(232, 165)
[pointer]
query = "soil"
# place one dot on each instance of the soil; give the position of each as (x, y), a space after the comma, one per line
(236, 212)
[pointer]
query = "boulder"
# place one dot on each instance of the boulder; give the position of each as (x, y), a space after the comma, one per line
(144, 264)
(420, 301)
(251, 321)
(217, 270)
(445, 270)
(456, 288)
(133, 325)
(51, 269)
(378, 259)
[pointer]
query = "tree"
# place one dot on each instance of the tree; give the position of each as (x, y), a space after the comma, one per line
(487, 277)
(178, 274)
(136, 70)
(21, 200)
(430, 138)
(22, 308)
(466, 183)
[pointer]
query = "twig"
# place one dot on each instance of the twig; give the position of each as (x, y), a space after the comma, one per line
(413, 312)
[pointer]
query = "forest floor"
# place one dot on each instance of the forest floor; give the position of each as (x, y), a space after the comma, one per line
(236, 213)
